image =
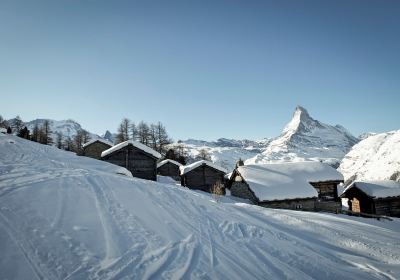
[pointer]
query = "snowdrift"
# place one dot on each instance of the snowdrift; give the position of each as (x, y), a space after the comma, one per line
(69, 217)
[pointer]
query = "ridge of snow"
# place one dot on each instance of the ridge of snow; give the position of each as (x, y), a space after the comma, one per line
(161, 163)
(377, 157)
(378, 189)
(187, 168)
(138, 145)
(305, 139)
(97, 140)
(279, 181)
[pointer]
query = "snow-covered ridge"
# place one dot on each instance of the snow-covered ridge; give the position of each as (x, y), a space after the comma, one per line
(97, 140)
(377, 157)
(304, 139)
(161, 163)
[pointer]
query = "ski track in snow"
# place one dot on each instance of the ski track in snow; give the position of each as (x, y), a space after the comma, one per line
(66, 221)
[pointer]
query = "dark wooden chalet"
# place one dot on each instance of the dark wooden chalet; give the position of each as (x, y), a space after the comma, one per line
(95, 147)
(139, 159)
(169, 168)
(374, 197)
(308, 186)
(201, 175)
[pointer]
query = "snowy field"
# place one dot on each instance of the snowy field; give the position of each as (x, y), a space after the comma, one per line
(69, 217)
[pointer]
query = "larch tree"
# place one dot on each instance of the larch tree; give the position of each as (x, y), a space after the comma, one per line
(123, 131)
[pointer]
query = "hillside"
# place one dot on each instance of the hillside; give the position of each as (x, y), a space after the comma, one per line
(305, 138)
(69, 217)
(225, 152)
(377, 157)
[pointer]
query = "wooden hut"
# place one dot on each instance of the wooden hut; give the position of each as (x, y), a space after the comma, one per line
(374, 197)
(95, 147)
(308, 186)
(202, 175)
(139, 159)
(169, 168)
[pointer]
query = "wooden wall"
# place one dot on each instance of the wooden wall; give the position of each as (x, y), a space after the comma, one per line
(307, 204)
(242, 190)
(202, 178)
(95, 149)
(389, 206)
(140, 164)
(169, 169)
(327, 190)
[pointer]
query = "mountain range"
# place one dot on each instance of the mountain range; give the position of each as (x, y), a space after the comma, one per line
(370, 156)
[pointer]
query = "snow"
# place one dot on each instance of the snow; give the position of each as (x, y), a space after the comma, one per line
(69, 217)
(377, 157)
(161, 163)
(187, 168)
(68, 128)
(97, 140)
(138, 145)
(378, 189)
(287, 180)
(166, 180)
(224, 152)
(305, 139)
(3, 130)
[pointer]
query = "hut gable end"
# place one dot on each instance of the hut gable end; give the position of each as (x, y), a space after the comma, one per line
(139, 162)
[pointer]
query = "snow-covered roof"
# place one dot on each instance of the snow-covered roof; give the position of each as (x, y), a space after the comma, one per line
(287, 180)
(161, 163)
(187, 168)
(376, 189)
(97, 140)
(138, 145)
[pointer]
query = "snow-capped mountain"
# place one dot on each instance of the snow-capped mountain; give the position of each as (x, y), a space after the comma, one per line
(225, 152)
(68, 128)
(305, 138)
(377, 157)
(109, 136)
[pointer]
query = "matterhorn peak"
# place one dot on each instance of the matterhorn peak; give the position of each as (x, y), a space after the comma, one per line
(300, 116)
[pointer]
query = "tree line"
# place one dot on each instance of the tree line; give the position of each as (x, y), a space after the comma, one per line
(41, 133)
(152, 135)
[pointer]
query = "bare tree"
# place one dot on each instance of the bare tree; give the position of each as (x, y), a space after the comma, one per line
(35, 133)
(204, 154)
(123, 131)
(152, 137)
(46, 133)
(59, 140)
(81, 137)
(3, 122)
(68, 144)
(143, 132)
(17, 124)
(162, 138)
(133, 131)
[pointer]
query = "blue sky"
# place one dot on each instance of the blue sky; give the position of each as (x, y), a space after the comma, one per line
(206, 69)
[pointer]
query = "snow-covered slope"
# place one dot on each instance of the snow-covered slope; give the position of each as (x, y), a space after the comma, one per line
(225, 152)
(68, 128)
(69, 217)
(377, 157)
(304, 138)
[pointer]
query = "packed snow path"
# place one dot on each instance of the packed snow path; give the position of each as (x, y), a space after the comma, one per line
(69, 217)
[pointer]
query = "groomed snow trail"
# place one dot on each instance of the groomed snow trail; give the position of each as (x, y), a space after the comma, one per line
(69, 217)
